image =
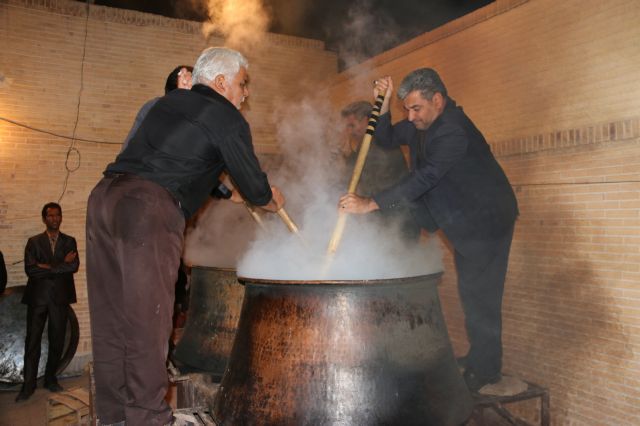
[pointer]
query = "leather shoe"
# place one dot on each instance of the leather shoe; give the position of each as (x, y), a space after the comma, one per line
(475, 382)
(54, 387)
(463, 362)
(24, 395)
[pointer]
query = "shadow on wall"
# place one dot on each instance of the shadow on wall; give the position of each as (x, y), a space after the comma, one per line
(579, 339)
(562, 326)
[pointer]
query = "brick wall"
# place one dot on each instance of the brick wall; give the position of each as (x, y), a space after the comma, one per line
(554, 88)
(46, 69)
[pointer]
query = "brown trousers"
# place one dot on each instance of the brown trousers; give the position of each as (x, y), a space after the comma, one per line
(134, 243)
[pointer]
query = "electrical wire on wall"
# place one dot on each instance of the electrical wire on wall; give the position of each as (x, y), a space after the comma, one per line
(72, 149)
(35, 129)
(73, 140)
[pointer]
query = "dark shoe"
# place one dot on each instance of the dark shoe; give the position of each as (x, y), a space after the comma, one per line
(54, 387)
(462, 362)
(24, 395)
(475, 382)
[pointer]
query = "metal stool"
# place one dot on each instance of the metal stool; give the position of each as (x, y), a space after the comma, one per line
(496, 403)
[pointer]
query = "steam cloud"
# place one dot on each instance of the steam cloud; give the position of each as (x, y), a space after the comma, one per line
(223, 232)
(364, 33)
(312, 178)
(242, 23)
(312, 175)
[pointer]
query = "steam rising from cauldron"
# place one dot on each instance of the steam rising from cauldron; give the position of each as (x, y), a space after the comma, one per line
(242, 23)
(364, 33)
(312, 176)
(223, 232)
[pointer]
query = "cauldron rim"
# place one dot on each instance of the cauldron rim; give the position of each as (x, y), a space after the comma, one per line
(214, 268)
(367, 282)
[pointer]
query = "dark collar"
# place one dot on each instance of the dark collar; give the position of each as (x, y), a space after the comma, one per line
(449, 104)
(209, 92)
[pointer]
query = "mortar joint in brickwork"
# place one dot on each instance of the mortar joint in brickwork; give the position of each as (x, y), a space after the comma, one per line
(614, 131)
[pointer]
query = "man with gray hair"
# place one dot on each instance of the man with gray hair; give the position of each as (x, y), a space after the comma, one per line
(135, 222)
(455, 185)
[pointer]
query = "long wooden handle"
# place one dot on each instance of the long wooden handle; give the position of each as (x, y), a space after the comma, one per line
(366, 143)
(281, 212)
(252, 211)
(292, 226)
(357, 172)
(287, 221)
(254, 214)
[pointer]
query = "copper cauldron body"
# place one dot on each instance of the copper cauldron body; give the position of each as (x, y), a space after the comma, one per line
(342, 353)
(215, 299)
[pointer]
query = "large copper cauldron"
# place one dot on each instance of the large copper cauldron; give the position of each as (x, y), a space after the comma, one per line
(342, 353)
(214, 309)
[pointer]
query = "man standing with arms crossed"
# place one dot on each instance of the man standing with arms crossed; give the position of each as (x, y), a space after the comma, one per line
(455, 184)
(135, 223)
(50, 260)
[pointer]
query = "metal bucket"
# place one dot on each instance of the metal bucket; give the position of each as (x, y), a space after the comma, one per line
(342, 353)
(215, 299)
(13, 331)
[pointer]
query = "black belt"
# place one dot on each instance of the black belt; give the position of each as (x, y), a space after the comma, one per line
(115, 175)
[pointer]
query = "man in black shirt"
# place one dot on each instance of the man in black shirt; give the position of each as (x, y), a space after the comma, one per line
(135, 222)
(179, 78)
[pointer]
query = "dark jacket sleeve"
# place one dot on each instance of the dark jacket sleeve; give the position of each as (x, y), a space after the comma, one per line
(69, 244)
(447, 146)
(31, 260)
(3, 274)
(244, 168)
(392, 136)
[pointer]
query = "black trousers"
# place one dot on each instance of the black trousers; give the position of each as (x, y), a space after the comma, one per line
(37, 316)
(134, 242)
(481, 287)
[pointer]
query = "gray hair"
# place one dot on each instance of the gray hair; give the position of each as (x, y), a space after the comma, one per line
(359, 109)
(215, 61)
(425, 80)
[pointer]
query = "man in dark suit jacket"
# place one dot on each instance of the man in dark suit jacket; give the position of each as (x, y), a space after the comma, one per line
(50, 260)
(455, 185)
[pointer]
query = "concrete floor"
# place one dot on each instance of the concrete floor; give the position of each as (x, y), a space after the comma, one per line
(33, 412)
